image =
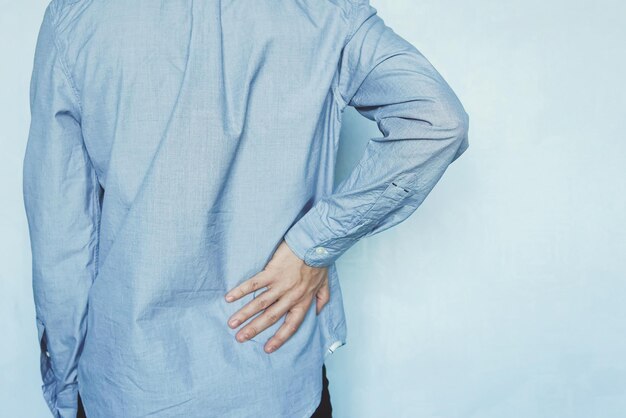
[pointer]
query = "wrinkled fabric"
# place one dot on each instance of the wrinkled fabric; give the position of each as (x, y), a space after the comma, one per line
(172, 146)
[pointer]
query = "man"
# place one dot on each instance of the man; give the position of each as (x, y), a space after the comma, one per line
(181, 152)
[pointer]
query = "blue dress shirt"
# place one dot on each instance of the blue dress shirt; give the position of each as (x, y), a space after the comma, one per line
(173, 145)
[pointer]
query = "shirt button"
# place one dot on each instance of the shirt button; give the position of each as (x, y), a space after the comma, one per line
(321, 250)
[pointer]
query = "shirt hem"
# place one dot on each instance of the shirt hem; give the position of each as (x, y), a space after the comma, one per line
(316, 403)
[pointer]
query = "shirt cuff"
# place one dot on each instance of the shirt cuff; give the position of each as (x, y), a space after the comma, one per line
(67, 401)
(62, 404)
(312, 242)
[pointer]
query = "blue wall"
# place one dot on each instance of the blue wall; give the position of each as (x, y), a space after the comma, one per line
(503, 295)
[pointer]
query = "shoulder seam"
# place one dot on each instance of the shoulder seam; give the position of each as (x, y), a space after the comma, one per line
(62, 60)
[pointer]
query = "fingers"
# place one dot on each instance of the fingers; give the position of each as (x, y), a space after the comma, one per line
(322, 296)
(257, 304)
(293, 320)
(267, 318)
(255, 282)
(291, 289)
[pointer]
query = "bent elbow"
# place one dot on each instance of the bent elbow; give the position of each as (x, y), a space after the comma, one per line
(463, 124)
(460, 132)
(454, 122)
(446, 116)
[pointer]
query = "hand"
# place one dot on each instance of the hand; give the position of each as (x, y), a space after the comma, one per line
(291, 286)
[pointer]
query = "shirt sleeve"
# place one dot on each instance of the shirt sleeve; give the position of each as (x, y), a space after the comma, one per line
(424, 128)
(62, 200)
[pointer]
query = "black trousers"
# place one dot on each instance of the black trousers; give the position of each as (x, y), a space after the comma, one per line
(324, 410)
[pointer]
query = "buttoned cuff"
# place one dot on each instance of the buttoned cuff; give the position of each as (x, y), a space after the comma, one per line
(67, 401)
(64, 403)
(312, 242)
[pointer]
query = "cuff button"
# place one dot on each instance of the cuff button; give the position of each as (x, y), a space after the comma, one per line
(320, 250)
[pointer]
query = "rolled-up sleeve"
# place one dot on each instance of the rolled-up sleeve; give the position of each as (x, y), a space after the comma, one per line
(424, 129)
(62, 201)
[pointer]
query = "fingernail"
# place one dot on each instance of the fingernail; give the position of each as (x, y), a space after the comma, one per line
(242, 337)
(271, 348)
(230, 298)
(234, 322)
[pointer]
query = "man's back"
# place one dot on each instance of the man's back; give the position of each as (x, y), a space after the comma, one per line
(173, 146)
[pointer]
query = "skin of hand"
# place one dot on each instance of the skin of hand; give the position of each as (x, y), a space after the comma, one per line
(291, 285)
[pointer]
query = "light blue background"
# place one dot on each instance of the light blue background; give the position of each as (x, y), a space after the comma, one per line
(504, 295)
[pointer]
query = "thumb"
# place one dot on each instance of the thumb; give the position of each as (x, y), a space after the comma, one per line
(322, 296)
